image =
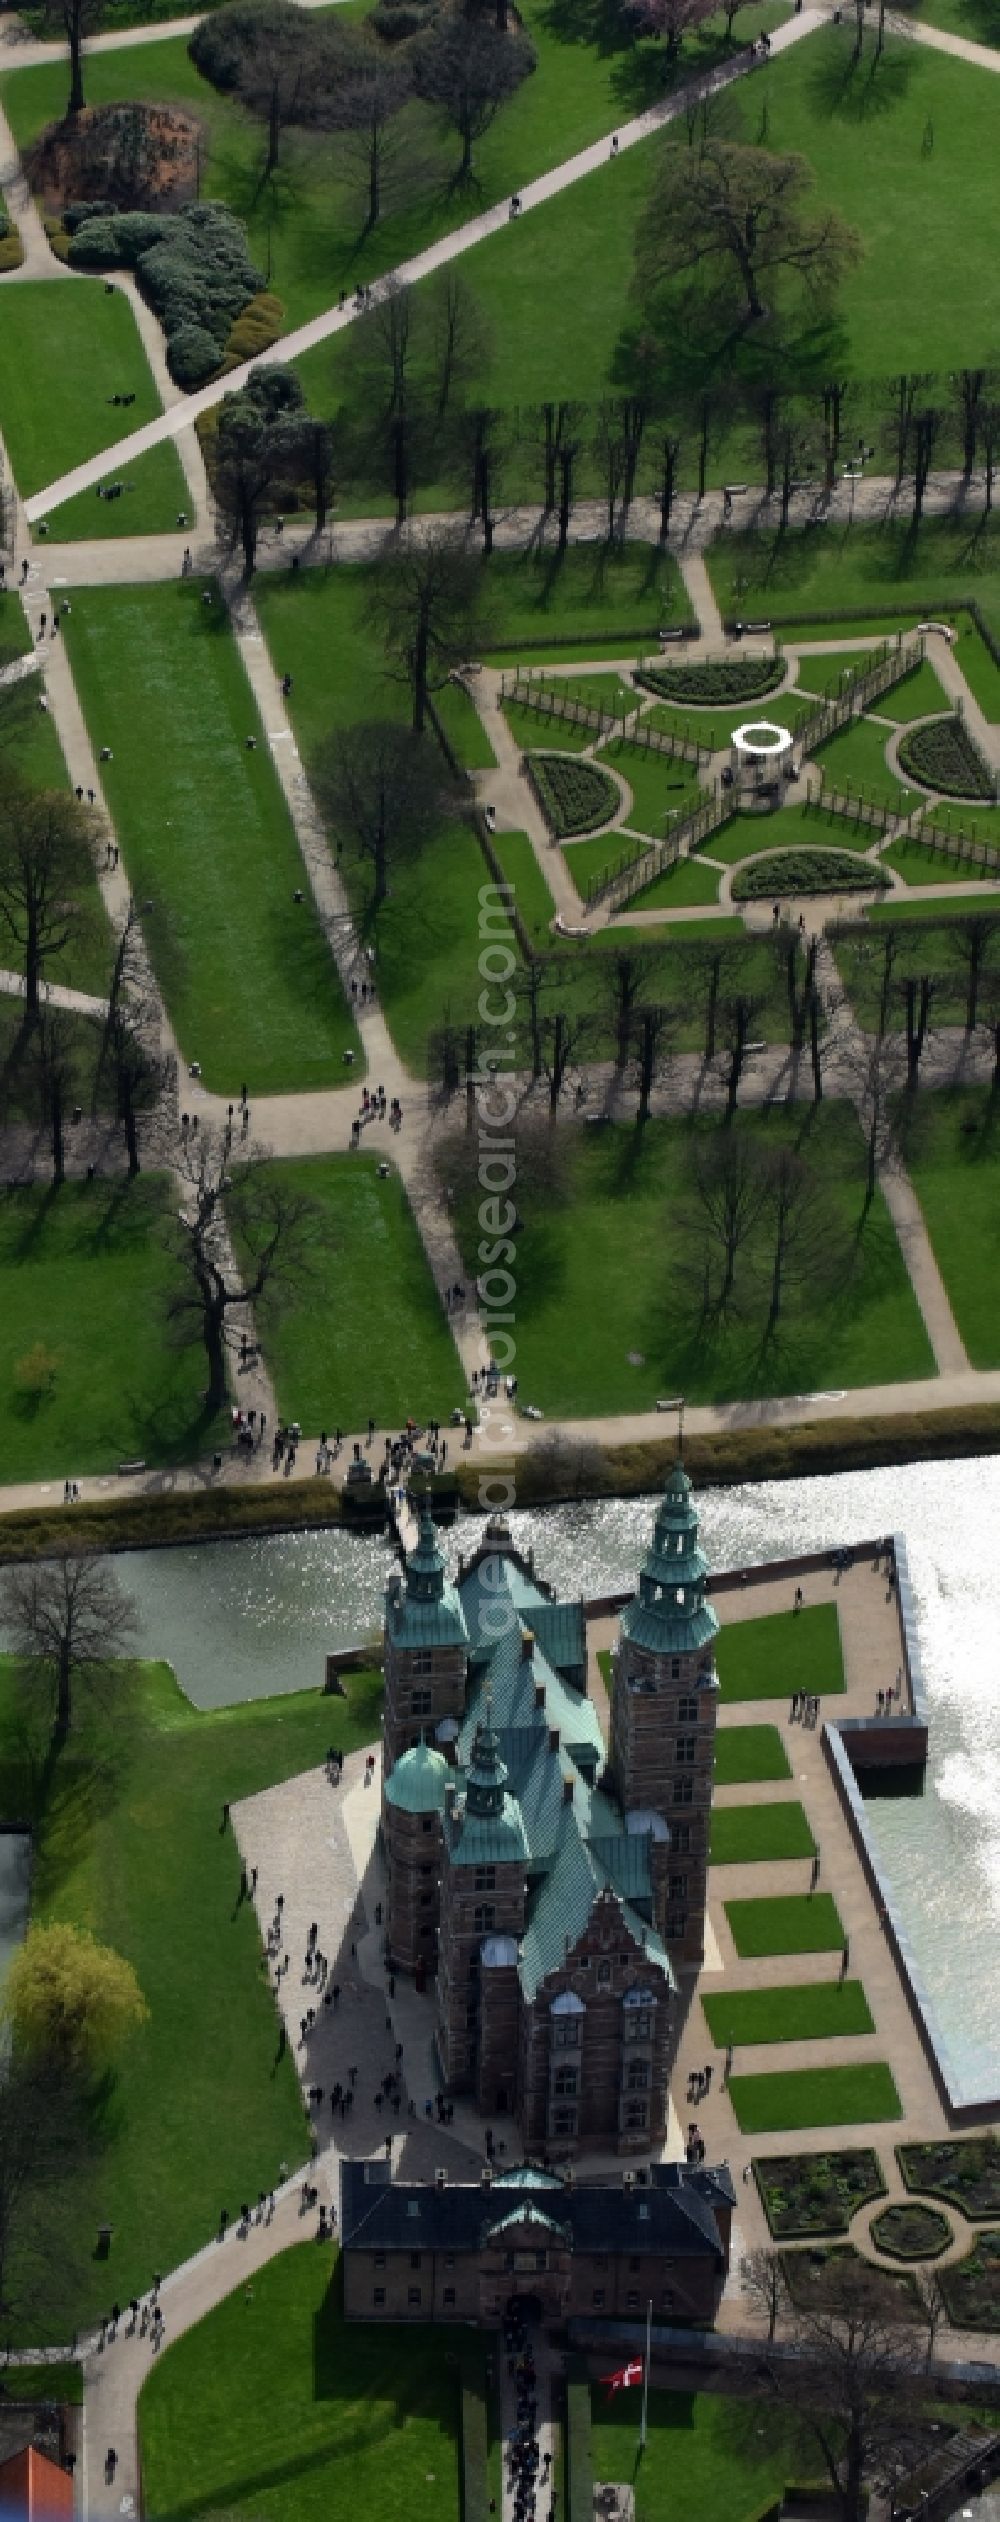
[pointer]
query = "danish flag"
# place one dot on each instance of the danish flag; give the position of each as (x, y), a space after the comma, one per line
(623, 2380)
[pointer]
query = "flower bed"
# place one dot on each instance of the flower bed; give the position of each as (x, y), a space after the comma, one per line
(941, 754)
(802, 2194)
(911, 2232)
(808, 871)
(964, 2171)
(574, 796)
(805, 2273)
(970, 2288)
(728, 679)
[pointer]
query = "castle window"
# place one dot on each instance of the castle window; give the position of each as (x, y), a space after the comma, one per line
(421, 1661)
(380, 2259)
(604, 1974)
(426, 1900)
(636, 2114)
(449, 2294)
(413, 2295)
(414, 2259)
(687, 1711)
(631, 2302)
(566, 2032)
(564, 2122)
(486, 1878)
(540, 2259)
(683, 1790)
(678, 1888)
(637, 2075)
(378, 2296)
(634, 2266)
(421, 1702)
(675, 1668)
(598, 2298)
(566, 2080)
(677, 1925)
(639, 2023)
(681, 1836)
(485, 1917)
(685, 1748)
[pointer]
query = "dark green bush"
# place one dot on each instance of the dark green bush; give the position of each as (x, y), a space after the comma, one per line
(228, 38)
(574, 796)
(194, 356)
(192, 266)
(4, 220)
(807, 871)
(941, 754)
(911, 2232)
(77, 211)
(728, 679)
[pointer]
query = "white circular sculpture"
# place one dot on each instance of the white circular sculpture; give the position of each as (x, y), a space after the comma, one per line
(761, 753)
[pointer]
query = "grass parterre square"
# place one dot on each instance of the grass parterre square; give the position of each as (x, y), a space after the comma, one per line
(785, 1651)
(815, 2097)
(757, 1834)
(829, 2009)
(747, 1753)
(806, 1923)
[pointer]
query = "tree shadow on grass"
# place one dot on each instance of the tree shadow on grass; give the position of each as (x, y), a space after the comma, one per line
(860, 91)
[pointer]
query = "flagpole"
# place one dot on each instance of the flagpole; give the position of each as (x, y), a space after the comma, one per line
(645, 2375)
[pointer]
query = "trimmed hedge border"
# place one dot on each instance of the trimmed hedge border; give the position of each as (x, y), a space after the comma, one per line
(808, 871)
(920, 2185)
(983, 2258)
(942, 756)
(579, 2452)
(728, 680)
(475, 2446)
(789, 2227)
(558, 779)
(936, 2230)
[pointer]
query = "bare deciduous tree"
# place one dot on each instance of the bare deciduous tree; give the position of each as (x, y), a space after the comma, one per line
(745, 214)
(45, 863)
(62, 1614)
(427, 604)
(856, 2379)
(720, 1214)
(243, 1239)
(469, 68)
(384, 792)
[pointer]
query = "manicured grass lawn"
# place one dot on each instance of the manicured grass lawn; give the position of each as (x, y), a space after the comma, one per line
(30, 751)
(84, 1271)
(784, 1652)
(708, 2457)
(830, 2009)
(745, 1754)
(532, 900)
(823, 674)
(464, 727)
(919, 865)
(899, 907)
(277, 2407)
(663, 787)
(15, 637)
(367, 1336)
(715, 727)
(593, 1264)
(789, 827)
(427, 941)
(603, 854)
(200, 2112)
(858, 570)
(952, 1156)
(815, 2097)
(247, 975)
(855, 760)
(759, 1834)
(688, 882)
(65, 348)
(807, 1923)
(918, 696)
(537, 733)
(925, 943)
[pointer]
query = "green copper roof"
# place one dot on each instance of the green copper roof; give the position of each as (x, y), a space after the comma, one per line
(520, 2216)
(418, 1781)
(427, 1611)
(669, 1615)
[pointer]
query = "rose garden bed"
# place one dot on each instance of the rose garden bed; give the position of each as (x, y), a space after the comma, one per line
(970, 2288)
(727, 679)
(942, 756)
(803, 2194)
(911, 2232)
(964, 2171)
(807, 871)
(574, 796)
(804, 2273)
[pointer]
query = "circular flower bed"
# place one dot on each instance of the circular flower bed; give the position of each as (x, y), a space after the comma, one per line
(574, 796)
(911, 2232)
(941, 755)
(807, 871)
(728, 679)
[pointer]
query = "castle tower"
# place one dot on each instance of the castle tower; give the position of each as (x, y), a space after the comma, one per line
(664, 1704)
(426, 1648)
(483, 1890)
(411, 1827)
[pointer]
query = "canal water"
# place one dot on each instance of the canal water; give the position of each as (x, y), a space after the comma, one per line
(246, 1619)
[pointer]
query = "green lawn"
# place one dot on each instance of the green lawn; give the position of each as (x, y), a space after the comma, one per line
(603, 855)
(663, 787)
(30, 751)
(823, 675)
(532, 900)
(784, 1652)
(919, 695)
(680, 887)
(815, 2097)
(855, 761)
(918, 864)
(759, 1834)
(787, 827)
(715, 727)
(857, 571)
(248, 978)
(594, 1262)
(464, 728)
(951, 1155)
(367, 1336)
(200, 2112)
(804, 1923)
(64, 350)
(748, 1754)
(84, 1271)
(925, 943)
(15, 637)
(829, 2009)
(275, 2407)
(536, 732)
(709, 2457)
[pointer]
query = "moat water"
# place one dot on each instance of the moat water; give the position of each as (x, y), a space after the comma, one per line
(247, 1619)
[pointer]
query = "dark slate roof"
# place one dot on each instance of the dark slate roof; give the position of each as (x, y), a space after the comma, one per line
(672, 2216)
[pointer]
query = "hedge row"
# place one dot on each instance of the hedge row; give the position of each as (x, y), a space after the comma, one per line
(729, 679)
(260, 324)
(942, 755)
(574, 796)
(579, 2452)
(808, 871)
(558, 1469)
(475, 2443)
(192, 265)
(147, 1522)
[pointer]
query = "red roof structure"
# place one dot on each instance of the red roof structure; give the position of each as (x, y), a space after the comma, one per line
(34, 2489)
